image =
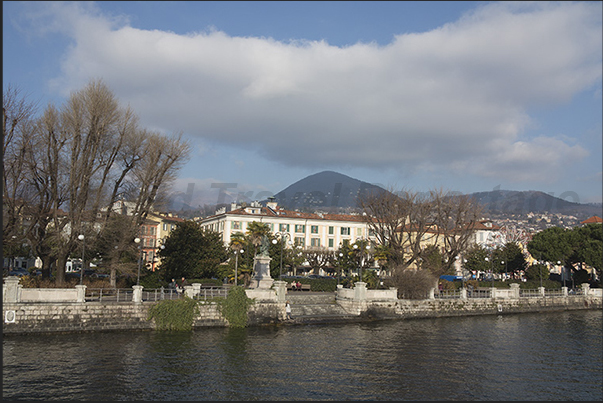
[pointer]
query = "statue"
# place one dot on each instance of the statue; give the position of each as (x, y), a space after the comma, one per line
(264, 246)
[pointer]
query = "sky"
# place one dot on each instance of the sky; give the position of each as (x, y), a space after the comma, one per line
(461, 96)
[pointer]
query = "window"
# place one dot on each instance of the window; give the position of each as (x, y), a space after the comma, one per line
(331, 242)
(300, 242)
(315, 242)
(165, 226)
(283, 227)
(236, 225)
(345, 230)
(331, 230)
(314, 229)
(300, 228)
(358, 231)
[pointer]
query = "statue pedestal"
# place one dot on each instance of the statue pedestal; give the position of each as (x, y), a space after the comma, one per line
(261, 270)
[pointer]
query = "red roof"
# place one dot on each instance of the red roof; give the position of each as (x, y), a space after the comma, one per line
(593, 220)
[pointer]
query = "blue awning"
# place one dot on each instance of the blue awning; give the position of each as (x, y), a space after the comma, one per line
(451, 278)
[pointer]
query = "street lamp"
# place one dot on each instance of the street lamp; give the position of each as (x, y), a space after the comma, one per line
(505, 263)
(81, 238)
(368, 247)
(237, 263)
(282, 236)
(340, 263)
(491, 271)
(137, 240)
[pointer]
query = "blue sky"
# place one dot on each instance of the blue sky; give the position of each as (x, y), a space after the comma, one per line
(463, 96)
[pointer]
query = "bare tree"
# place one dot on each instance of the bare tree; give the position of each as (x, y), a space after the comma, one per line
(318, 257)
(454, 222)
(406, 222)
(79, 160)
(400, 222)
(17, 124)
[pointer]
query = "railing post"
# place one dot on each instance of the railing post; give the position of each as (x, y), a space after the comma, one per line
(137, 294)
(564, 291)
(585, 289)
(281, 290)
(12, 291)
(463, 293)
(360, 291)
(515, 290)
(196, 289)
(189, 291)
(541, 291)
(81, 293)
(432, 293)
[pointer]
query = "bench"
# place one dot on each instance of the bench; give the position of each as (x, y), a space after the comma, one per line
(304, 287)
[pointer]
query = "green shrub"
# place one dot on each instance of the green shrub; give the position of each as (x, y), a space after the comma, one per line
(175, 314)
(235, 306)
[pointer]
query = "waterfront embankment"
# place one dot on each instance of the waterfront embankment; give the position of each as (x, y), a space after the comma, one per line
(359, 304)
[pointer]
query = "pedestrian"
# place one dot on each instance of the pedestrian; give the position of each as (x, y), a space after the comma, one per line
(288, 310)
(298, 285)
(173, 285)
(183, 283)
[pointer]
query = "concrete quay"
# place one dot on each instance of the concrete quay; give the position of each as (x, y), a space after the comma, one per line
(343, 306)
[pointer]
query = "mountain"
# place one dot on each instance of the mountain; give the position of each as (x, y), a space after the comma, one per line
(516, 202)
(331, 190)
(325, 190)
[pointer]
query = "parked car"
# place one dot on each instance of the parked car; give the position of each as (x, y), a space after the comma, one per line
(17, 271)
(76, 274)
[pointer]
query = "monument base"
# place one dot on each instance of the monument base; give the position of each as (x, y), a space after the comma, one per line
(261, 270)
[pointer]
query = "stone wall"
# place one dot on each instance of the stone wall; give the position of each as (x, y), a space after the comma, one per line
(438, 308)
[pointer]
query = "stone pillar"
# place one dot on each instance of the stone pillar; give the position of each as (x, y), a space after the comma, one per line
(515, 290)
(12, 289)
(432, 293)
(261, 270)
(463, 293)
(189, 291)
(564, 291)
(493, 292)
(137, 295)
(196, 289)
(585, 289)
(81, 293)
(541, 291)
(281, 290)
(359, 291)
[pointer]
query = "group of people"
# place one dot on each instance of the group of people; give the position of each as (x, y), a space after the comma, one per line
(295, 285)
(178, 286)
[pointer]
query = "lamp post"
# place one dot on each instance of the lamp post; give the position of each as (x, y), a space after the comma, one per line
(540, 270)
(282, 236)
(491, 271)
(505, 263)
(368, 247)
(137, 240)
(81, 238)
(340, 263)
(237, 263)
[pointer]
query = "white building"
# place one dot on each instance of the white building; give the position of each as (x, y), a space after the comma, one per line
(305, 230)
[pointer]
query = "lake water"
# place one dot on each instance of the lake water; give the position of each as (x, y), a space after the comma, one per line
(549, 356)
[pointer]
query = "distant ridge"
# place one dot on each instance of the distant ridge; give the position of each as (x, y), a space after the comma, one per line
(532, 201)
(333, 190)
(324, 190)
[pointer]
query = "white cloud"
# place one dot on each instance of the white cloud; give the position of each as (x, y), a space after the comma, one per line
(433, 100)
